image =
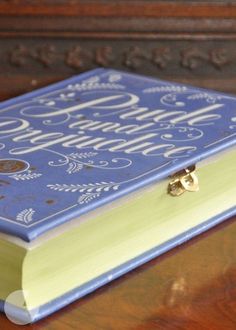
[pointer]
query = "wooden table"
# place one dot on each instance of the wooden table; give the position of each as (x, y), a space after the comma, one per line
(191, 287)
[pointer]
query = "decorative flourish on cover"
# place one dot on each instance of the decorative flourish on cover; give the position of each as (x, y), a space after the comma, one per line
(87, 197)
(165, 89)
(74, 146)
(92, 190)
(26, 176)
(98, 187)
(25, 216)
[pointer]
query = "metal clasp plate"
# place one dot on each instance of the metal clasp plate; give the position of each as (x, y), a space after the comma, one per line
(184, 180)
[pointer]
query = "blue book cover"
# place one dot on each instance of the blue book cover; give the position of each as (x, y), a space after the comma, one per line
(83, 143)
(79, 144)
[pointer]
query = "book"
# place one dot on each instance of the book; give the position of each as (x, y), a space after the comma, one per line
(102, 172)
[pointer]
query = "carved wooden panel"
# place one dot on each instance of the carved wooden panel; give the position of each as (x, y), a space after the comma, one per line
(135, 55)
(189, 41)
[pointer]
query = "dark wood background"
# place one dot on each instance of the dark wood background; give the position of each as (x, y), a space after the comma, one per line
(193, 286)
(45, 41)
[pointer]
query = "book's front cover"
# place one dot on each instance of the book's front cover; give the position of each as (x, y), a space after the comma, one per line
(79, 144)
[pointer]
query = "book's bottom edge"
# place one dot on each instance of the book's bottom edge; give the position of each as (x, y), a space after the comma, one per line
(79, 292)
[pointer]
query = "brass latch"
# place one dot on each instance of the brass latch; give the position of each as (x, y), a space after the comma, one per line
(184, 180)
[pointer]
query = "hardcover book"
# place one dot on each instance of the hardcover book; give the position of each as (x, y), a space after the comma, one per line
(101, 173)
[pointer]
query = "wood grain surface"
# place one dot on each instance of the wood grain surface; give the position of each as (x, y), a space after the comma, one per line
(129, 8)
(183, 40)
(191, 287)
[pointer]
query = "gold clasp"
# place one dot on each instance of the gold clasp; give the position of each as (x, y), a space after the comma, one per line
(184, 180)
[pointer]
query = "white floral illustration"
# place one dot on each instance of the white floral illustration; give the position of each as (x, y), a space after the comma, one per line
(93, 190)
(233, 126)
(90, 191)
(87, 197)
(176, 94)
(74, 167)
(113, 77)
(95, 80)
(92, 80)
(167, 89)
(81, 158)
(26, 215)
(82, 155)
(26, 176)
(87, 86)
(90, 187)
(210, 98)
